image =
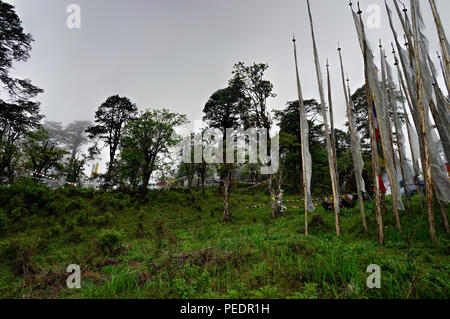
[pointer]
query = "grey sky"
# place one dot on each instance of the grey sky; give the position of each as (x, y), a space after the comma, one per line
(176, 53)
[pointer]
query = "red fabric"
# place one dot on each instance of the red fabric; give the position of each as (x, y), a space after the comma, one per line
(377, 134)
(382, 187)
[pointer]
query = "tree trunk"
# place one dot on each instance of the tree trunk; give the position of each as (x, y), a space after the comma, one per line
(227, 192)
(273, 202)
(203, 183)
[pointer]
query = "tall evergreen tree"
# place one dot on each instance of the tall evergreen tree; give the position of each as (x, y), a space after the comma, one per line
(18, 112)
(110, 119)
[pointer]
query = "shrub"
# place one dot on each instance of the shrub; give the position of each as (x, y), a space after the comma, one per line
(16, 213)
(109, 240)
(99, 221)
(114, 203)
(3, 221)
(57, 230)
(73, 205)
(18, 253)
(81, 218)
(103, 220)
(108, 218)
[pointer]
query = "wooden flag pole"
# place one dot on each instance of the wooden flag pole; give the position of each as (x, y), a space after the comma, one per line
(333, 135)
(443, 73)
(352, 135)
(327, 134)
(373, 140)
(408, 36)
(301, 112)
(397, 127)
(383, 84)
(423, 130)
(408, 123)
(443, 42)
(382, 133)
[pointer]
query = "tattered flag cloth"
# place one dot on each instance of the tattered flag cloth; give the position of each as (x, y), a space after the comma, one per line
(332, 169)
(380, 107)
(438, 170)
(304, 134)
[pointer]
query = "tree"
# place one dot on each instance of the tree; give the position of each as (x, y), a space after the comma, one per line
(257, 91)
(18, 113)
(129, 165)
(74, 169)
(55, 131)
(75, 137)
(150, 136)
(223, 111)
(110, 119)
(40, 153)
(290, 145)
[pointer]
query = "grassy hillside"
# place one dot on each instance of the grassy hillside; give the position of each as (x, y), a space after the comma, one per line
(166, 246)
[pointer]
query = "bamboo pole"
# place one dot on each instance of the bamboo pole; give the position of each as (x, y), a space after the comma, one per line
(352, 135)
(405, 29)
(373, 143)
(443, 73)
(382, 134)
(407, 88)
(397, 128)
(443, 42)
(325, 123)
(408, 124)
(423, 129)
(333, 135)
(301, 112)
(384, 88)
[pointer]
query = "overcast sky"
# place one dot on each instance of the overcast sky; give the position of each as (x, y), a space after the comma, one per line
(176, 53)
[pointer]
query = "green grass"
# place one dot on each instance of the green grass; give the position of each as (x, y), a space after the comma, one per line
(166, 246)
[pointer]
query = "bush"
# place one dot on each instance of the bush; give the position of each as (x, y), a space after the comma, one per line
(99, 221)
(18, 253)
(3, 221)
(17, 213)
(81, 218)
(73, 205)
(103, 219)
(55, 231)
(109, 240)
(108, 218)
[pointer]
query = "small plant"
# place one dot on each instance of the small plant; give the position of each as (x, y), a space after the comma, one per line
(183, 289)
(99, 221)
(109, 240)
(108, 217)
